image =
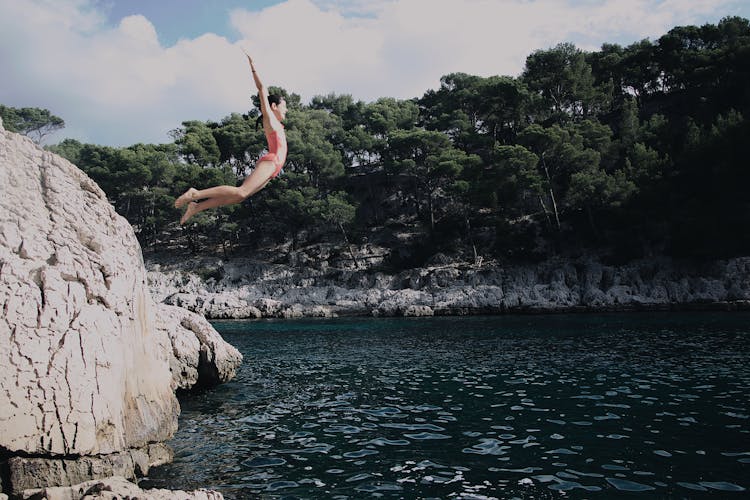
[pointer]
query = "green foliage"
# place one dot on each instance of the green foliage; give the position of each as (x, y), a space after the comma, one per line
(514, 179)
(311, 151)
(594, 188)
(563, 79)
(387, 114)
(337, 209)
(70, 149)
(237, 139)
(629, 148)
(197, 143)
(36, 123)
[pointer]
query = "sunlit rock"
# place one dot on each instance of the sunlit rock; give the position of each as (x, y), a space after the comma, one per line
(83, 370)
(85, 384)
(200, 357)
(250, 289)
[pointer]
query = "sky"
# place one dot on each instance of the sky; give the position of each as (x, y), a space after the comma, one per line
(121, 72)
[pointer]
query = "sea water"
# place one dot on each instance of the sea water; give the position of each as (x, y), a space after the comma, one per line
(551, 406)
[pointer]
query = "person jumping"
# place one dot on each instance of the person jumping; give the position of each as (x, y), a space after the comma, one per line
(273, 109)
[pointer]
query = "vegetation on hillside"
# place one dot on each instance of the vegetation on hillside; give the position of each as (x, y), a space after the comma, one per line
(629, 150)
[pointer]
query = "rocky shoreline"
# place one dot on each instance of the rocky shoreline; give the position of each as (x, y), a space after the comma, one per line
(250, 289)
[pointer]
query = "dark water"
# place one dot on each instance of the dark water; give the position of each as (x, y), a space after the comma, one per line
(573, 406)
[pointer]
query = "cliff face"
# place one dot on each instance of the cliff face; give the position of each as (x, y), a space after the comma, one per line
(83, 370)
(241, 288)
(86, 389)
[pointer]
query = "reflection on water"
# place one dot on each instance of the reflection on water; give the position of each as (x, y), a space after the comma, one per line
(651, 405)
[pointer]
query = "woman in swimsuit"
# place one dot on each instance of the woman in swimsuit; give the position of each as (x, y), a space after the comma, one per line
(273, 109)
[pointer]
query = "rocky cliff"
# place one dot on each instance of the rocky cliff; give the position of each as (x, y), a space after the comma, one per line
(243, 288)
(85, 383)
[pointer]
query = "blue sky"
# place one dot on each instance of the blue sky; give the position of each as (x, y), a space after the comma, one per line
(126, 71)
(175, 19)
(200, 16)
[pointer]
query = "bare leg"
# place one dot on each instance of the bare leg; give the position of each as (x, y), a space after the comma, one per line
(226, 195)
(185, 197)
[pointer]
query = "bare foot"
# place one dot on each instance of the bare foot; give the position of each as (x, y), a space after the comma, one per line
(187, 196)
(192, 209)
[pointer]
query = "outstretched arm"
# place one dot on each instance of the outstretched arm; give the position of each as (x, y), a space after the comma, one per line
(258, 83)
(262, 92)
(269, 119)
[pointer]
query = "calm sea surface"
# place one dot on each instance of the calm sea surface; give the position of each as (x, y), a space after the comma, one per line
(563, 406)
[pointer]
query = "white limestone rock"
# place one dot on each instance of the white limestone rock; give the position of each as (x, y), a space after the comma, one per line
(585, 283)
(37, 472)
(397, 303)
(115, 488)
(83, 369)
(414, 311)
(318, 312)
(269, 307)
(199, 355)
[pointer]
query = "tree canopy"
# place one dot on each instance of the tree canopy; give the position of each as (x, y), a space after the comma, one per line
(632, 150)
(36, 123)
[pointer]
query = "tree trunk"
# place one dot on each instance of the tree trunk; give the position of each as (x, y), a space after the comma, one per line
(554, 207)
(471, 239)
(551, 193)
(349, 245)
(544, 208)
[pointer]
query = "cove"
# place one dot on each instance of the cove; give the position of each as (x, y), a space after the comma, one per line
(652, 404)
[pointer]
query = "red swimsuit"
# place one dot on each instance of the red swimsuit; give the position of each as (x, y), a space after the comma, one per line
(276, 150)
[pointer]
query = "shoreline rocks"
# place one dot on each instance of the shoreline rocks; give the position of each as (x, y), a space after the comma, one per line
(115, 488)
(247, 289)
(200, 357)
(28, 473)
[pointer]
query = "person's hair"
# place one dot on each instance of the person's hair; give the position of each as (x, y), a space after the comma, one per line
(272, 99)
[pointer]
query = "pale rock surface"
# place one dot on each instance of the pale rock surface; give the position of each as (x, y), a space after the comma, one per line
(83, 370)
(199, 355)
(271, 290)
(85, 354)
(417, 311)
(115, 488)
(33, 473)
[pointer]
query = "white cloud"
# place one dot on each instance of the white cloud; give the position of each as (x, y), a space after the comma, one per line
(117, 84)
(401, 48)
(114, 84)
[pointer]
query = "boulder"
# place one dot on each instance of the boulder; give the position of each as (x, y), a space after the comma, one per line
(115, 488)
(83, 368)
(415, 311)
(85, 384)
(200, 357)
(35, 473)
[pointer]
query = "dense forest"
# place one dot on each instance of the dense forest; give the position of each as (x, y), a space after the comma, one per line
(626, 151)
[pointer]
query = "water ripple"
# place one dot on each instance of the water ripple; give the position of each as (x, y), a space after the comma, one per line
(414, 427)
(388, 442)
(488, 447)
(625, 485)
(263, 462)
(360, 453)
(427, 435)
(477, 408)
